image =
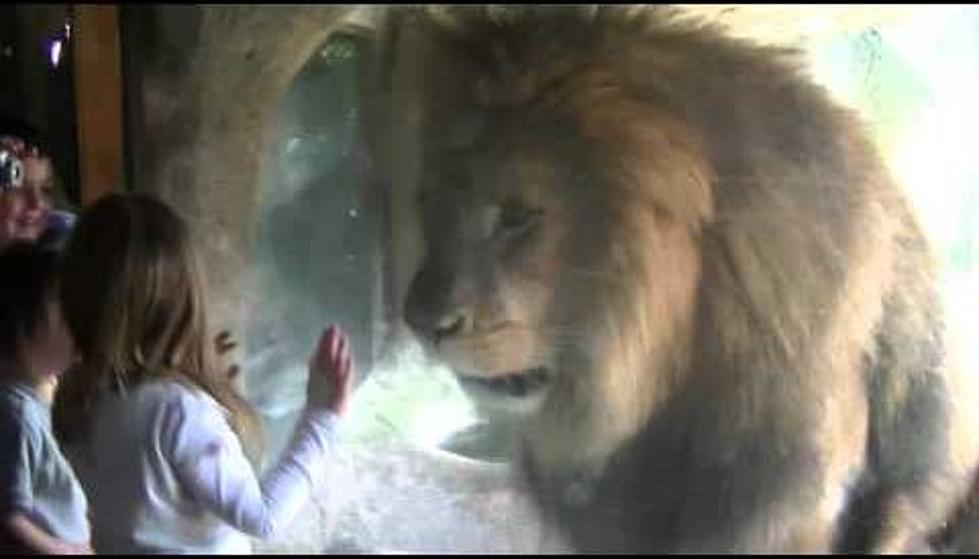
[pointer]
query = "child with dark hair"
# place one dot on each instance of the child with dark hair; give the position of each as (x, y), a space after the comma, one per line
(42, 506)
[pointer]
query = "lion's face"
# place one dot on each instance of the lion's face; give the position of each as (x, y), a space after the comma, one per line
(536, 286)
(495, 231)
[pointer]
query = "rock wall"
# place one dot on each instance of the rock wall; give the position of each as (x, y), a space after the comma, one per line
(206, 79)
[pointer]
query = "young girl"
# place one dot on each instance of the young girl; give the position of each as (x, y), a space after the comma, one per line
(163, 440)
(28, 189)
(42, 506)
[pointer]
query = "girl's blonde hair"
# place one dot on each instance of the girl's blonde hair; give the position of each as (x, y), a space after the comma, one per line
(133, 299)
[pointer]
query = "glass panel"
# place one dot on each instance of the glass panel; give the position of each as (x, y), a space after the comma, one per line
(319, 244)
(316, 240)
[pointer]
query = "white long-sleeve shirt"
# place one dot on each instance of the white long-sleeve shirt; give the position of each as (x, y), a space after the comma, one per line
(165, 473)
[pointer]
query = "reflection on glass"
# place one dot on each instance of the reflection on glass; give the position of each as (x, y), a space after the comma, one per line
(315, 235)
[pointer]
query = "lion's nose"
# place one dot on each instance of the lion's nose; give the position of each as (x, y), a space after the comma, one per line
(433, 312)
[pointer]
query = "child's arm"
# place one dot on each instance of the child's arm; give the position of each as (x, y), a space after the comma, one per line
(18, 455)
(20, 530)
(213, 468)
(211, 465)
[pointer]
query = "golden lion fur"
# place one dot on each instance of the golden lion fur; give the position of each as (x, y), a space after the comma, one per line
(760, 359)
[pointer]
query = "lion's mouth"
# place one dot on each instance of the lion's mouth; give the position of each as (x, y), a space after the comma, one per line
(517, 384)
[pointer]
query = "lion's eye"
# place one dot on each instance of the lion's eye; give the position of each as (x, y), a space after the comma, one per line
(515, 218)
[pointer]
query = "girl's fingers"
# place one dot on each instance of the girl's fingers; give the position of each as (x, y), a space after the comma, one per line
(224, 342)
(322, 358)
(334, 354)
(343, 349)
(344, 354)
(342, 359)
(331, 354)
(335, 346)
(348, 366)
(330, 340)
(321, 344)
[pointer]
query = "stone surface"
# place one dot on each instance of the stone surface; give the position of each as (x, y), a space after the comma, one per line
(400, 499)
(212, 77)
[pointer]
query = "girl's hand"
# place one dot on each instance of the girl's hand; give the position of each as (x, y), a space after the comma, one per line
(330, 372)
(223, 344)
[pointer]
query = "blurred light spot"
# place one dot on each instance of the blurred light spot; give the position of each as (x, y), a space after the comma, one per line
(55, 52)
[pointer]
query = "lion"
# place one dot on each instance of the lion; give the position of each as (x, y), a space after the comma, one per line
(686, 273)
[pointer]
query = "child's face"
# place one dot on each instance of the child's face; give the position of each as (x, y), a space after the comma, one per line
(24, 211)
(49, 351)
